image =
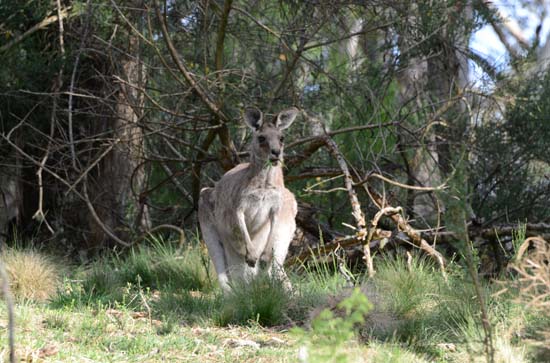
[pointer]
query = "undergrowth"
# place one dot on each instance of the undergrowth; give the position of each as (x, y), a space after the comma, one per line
(409, 311)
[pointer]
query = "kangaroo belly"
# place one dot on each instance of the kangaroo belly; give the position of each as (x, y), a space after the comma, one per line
(258, 207)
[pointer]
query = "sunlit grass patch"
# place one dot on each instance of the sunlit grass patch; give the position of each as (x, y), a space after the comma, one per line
(32, 274)
(186, 307)
(107, 334)
(394, 353)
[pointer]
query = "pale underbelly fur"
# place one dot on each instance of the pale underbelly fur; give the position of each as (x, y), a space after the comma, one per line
(257, 206)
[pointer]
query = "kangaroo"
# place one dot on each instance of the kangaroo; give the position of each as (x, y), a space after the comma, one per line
(249, 215)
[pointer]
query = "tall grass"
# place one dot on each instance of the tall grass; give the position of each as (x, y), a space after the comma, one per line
(431, 309)
(143, 271)
(417, 313)
(263, 300)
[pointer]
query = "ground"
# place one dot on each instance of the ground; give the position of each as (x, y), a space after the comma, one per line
(161, 303)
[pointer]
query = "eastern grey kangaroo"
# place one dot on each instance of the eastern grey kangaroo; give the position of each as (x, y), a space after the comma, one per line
(249, 216)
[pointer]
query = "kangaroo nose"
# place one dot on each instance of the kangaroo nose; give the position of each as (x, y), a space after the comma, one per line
(276, 153)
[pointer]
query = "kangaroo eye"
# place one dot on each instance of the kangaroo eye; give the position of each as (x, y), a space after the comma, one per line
(282, 139)
(261, 139)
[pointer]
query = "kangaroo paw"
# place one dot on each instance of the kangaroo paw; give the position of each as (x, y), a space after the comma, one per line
(250, 261)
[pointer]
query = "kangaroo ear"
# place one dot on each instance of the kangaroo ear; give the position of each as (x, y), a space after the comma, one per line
(286, 118)
(253, 118)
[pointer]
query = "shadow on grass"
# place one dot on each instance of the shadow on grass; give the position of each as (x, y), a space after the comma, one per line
(175, 285)
(145, 276)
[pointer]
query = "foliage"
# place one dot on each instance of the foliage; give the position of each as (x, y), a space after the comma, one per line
(329, 334)
(528, 118)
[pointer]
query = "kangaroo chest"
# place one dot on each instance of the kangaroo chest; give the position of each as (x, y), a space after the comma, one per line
(258, 205)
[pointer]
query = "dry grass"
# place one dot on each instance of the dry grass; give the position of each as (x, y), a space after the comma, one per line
(533, 268)
(32, 275)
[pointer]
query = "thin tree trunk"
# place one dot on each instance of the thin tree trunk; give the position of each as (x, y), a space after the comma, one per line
(116, 193)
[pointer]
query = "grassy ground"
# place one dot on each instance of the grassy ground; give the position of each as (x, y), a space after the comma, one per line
(161, 303)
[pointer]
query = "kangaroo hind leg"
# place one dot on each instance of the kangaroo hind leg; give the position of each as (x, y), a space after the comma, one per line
(212, 238)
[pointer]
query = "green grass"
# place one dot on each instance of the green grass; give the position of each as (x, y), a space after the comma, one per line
(161, 303)
(263, 300)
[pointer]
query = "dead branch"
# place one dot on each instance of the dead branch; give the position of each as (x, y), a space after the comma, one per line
(39, 215)
(43, 24)
(314, 173)
(341, 131)
(374, 222)
(98, 220)
(492, 233)
(61, 30)
(509, 24)
(404, 226)
(401, 185)
(361, 231)
(92, 165)
(182, 67)
(337, 243)
(72, 84)
(166, 226)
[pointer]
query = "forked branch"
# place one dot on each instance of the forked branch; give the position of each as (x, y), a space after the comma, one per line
(361, 232)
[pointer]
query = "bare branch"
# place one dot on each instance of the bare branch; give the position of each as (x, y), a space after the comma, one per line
(184, 70)
(43, 24)
(401, 185)
(404, 226)
(510, 25)
(355, 206)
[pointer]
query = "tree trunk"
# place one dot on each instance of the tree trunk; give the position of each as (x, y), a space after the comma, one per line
(117, 189)
(432, 76)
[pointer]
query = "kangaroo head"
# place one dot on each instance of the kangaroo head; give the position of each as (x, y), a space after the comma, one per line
(267, 138)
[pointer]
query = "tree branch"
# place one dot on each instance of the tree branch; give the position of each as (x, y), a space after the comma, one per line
(361, 232)
(184, 70)
(43, 24)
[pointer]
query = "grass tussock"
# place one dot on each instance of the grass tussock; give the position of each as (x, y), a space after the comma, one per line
(32, 275)
(263, 300)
